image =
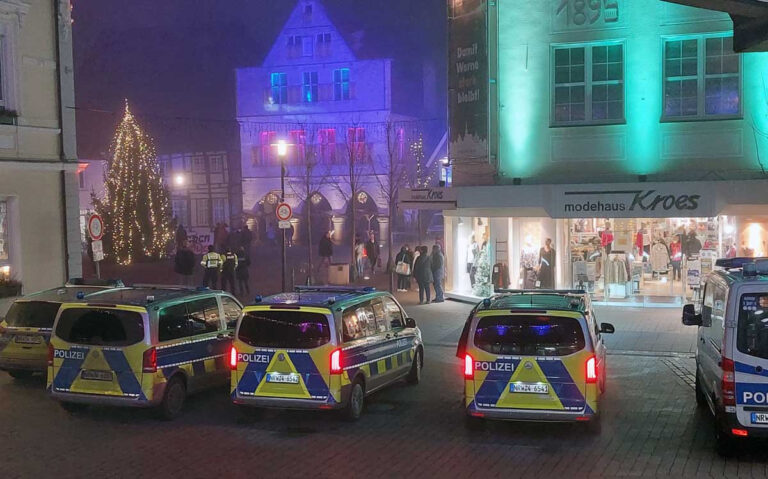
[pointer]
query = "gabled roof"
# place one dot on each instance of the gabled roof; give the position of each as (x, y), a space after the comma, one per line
(300, 23)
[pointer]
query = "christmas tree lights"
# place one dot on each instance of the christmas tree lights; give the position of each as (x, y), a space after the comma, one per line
(135, 206)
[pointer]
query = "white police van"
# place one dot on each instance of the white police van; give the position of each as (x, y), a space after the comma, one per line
(732, 349)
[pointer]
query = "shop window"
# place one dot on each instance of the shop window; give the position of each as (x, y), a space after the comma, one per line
(702, 78)
(588, 84)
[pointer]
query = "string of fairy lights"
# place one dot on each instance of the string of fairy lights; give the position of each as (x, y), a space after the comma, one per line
(136, 206)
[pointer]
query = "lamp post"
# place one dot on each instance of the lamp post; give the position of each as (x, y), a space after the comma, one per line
(282, 151)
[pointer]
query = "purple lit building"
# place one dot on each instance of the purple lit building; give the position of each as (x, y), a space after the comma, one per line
(331, 99)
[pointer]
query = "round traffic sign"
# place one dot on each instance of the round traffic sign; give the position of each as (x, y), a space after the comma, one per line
(95, 227)
(284, 212)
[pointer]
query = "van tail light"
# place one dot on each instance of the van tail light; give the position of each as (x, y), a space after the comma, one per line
(591, 370)
(728, 382)
(50, 354)
(336, 362)
(149, 363)
(469, 367)
(232, 358)
(740, 432)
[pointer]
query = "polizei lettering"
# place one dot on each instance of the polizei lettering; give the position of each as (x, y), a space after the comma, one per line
(648, 201)
(488, 366)
(252, 358)
(754, 398)
(68, 354)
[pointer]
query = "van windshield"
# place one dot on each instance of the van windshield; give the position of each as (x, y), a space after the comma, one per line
(529, 335)
(284, 329)
(32, 314)
(100, 327)
(752, 336)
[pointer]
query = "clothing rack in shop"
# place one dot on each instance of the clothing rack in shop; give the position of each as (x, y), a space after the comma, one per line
(502, 251)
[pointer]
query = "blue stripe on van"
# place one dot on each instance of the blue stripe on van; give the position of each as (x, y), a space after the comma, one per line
(312, 378)
(749, 369)
(190, 352)
(125, 375)
(69, 369)
(495, 383)
(561, 381)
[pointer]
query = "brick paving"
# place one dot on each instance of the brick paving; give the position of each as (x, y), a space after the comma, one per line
(651, 428)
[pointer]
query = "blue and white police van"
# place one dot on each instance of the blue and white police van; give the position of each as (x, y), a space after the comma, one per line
(732, 349)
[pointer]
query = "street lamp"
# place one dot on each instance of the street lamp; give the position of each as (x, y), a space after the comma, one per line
(282, 151)
(179, 180)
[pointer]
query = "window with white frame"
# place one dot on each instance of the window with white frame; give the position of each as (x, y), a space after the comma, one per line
(217, 164)
(279, 87)
(198, 164)
(588, 84)
(220, 210)
(298, 147)
(324, 38)
(327, 142)
(265, 153)
(180, 210)
(702, 78)
(307, 48)
(341, 84)
(202, 212)
(309, 87)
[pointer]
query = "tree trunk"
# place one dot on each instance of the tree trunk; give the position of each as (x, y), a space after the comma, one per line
(310, 244)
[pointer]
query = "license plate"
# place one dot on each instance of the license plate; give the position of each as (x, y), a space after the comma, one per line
(96, 375)
(760, 418)
(283, 378)
(532, 388)
(21, 339)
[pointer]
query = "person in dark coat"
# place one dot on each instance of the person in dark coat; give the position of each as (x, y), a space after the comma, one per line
(325, 250)
(181, 236)
(242, 272)
(404, 280)
(184, 263)
(422, 271)
(547, 258)
(372, 251)
(437, 263)
(228, 268)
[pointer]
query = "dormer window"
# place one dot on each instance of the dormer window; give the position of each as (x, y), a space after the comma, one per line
(324, 38)
(308, 9)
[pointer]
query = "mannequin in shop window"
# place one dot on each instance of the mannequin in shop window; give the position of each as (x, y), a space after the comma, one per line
(529, 260)
(473, 250)
(546, 273)
(606, 238)
(676, 255)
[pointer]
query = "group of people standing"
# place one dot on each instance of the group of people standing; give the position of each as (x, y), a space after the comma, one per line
(367, 255)
(425, 268)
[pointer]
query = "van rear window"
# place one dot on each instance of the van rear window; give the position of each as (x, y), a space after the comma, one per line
(284, 329)
(100, 327)
(32, 314)
(529, 335)
(752, 335)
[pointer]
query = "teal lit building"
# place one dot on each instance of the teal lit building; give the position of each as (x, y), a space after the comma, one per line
(610, 127)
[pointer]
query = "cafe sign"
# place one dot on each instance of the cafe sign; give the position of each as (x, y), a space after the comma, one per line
(427, 198)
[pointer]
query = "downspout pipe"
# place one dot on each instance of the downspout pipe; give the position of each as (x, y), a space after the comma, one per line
(62, 153)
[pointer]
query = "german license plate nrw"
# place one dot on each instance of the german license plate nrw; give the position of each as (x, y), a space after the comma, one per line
(532, 388)
(283, 378)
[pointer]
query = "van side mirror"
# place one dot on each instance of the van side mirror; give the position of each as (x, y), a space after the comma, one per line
(690, 318)
(410, 323)
(607, 328)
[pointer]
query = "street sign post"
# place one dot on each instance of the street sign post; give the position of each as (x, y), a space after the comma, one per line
(284, 225)
(284, 212)
(96, 232)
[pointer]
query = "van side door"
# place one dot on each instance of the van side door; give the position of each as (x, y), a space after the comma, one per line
(710, 341)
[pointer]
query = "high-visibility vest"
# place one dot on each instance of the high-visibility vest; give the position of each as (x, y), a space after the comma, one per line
(211, 260)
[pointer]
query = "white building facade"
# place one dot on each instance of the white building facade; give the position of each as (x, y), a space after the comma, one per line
(39, 227)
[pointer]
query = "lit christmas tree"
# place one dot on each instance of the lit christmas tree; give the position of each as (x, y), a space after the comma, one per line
(483, 286)
(135, 206)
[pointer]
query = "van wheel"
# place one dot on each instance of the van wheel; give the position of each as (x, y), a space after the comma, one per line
(724, 443)
(701, 399)
(20, 374)
(354, 408)
(73, 407)
(414, 377)
(173, 399)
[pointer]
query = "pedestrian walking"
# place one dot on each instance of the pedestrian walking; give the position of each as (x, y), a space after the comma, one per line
(184, 263)
(211, 263)
(242, 272)
(422, 271)
(403, 266)
(359, 256)
(437, 263)
(228, 267)
(325, 250)
(372, 251)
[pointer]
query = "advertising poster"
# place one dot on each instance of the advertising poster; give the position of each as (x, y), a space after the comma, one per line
(468, 79)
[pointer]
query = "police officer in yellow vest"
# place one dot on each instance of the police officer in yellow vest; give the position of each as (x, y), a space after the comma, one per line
(212, 263)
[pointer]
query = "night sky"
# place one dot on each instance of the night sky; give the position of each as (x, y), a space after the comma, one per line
(174, 60)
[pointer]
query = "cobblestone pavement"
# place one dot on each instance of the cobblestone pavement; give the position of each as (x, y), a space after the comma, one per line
(651, 428)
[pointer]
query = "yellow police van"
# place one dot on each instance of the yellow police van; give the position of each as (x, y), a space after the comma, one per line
(534, 356)
(323, 348)
(141, 347)
(26, 328)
